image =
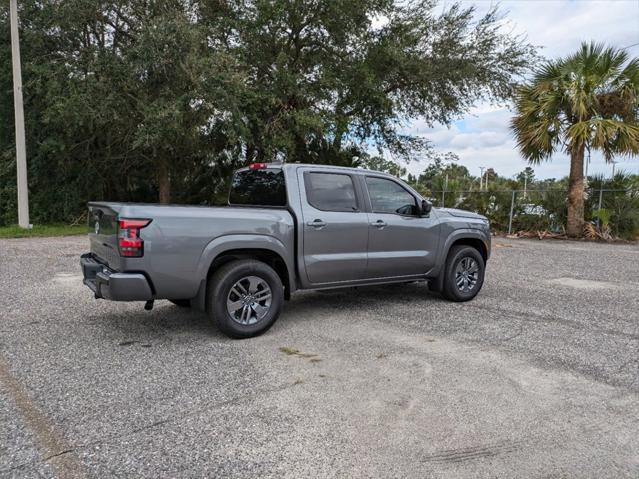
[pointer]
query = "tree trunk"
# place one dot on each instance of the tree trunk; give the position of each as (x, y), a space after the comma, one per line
(164, 181)
(575, 225)
(250, 153)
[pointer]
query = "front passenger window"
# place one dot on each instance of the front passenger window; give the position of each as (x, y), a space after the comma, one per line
(388, 196)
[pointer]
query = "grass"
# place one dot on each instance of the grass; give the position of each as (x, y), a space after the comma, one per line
(14, 231)
(288, 351)
(296, 352)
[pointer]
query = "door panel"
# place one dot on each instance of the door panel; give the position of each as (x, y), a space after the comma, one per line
(334, 242)
(404, 246)
(400, 242)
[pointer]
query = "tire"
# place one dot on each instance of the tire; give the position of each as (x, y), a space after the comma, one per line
(462, 259)
(238, 298)
(182, 303)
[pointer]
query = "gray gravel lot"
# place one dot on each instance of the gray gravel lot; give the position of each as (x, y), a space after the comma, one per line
(538, 377)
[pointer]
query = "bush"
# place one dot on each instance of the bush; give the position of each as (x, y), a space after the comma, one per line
(547, 210)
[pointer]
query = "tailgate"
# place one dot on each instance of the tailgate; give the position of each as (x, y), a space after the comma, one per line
(103, 234)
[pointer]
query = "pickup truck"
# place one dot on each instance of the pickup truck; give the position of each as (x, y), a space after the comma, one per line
(287, 227)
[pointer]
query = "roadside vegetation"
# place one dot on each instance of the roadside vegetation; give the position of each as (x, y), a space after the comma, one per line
(15, 231)
(586, 101)
(611, 205)
(161, 101)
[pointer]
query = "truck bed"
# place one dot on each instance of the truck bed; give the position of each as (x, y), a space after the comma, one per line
(178, 238)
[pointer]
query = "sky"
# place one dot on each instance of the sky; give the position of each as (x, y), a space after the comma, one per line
(557, 28)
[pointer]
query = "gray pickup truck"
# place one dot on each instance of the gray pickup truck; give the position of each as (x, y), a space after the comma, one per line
(287, 227)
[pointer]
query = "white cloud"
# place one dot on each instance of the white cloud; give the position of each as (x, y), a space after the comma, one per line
(482, 138)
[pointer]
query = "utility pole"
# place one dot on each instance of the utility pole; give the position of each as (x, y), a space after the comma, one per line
(21, 150)
(613, 168)
(481, 176)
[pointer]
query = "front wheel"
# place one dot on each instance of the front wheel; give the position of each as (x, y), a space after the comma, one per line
(245, 298)
(464, 273)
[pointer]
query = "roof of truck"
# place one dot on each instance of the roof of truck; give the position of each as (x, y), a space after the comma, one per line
(320, 166)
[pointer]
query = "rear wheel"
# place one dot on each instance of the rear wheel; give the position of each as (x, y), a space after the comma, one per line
(464, 273)
(245, 298)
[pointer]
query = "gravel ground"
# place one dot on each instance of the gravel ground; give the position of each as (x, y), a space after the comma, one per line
(537, 377)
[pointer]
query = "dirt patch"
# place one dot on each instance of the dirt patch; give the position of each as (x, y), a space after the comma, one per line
(583, 283)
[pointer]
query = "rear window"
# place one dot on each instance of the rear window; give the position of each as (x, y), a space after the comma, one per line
(258, 188)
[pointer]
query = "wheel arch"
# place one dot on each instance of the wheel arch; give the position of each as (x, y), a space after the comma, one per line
(473, 242)
(469, 237)
(260, 247)
(265, 255)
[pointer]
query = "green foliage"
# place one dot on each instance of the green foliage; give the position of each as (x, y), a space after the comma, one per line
(526, 178)
(134, 100)
(542, 207)
(377, 163)
(443, 174)
(624, 215)
(16, 231)
(602, 215)
(590, 98)
(540, 211)
(494, 204)
(619, 202)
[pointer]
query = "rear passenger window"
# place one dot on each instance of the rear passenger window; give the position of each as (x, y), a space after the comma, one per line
(330, 191)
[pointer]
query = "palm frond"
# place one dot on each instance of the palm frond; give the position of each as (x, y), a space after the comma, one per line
(589, 98)
(614, 137)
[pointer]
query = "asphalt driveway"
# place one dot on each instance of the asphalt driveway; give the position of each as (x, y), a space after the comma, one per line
(538, 377)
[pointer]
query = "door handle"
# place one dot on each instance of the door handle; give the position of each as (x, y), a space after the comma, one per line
(379, 224)
(316, 223)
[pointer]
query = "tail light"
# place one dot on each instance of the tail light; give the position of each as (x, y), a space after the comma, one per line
(129, 241)
(257, 166)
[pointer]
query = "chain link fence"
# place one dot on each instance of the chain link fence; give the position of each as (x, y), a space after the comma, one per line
(545, 210)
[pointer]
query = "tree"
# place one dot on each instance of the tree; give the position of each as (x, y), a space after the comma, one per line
(490, 176)
(320, 77)
(379, 163)
(123, 99)
(139, 84)
(144, 99)
(526, 177)
(588, 100)
(443, 174)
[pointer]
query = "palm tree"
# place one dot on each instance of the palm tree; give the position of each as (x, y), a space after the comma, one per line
(588, 100)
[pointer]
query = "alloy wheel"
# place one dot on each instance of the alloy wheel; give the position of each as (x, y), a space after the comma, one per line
(249, 300)
(466, 274)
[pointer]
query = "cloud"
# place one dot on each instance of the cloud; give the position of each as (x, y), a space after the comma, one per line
(559, 26)
(482, 137)
(479, 139)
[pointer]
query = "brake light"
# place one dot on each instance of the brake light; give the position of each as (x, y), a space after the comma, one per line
(257, 166)
(129, 241)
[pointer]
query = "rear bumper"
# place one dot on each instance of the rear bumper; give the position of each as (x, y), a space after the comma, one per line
(108, 284)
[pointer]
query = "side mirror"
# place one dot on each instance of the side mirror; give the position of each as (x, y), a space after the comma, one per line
(426, 207)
